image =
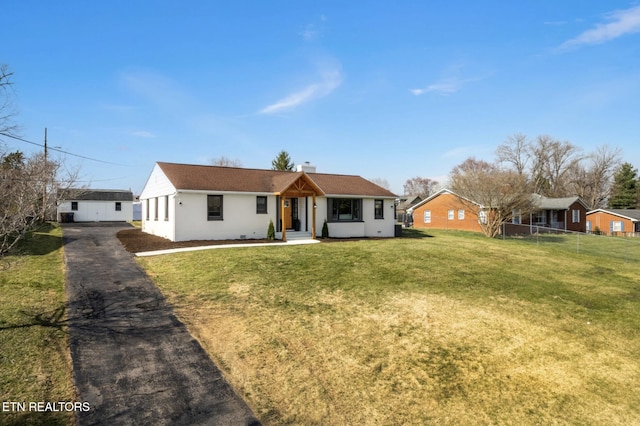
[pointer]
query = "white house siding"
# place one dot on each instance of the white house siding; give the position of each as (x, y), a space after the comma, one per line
(97, 211)
(369, 227)
(240, 219)
(158, 224)
(157, 185)
(379, 227)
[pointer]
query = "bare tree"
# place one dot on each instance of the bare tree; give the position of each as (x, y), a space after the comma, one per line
(7, 112)
(225, 162)
(491, 193)
(26, 195)
(28, 185)
(515, 151)
(593, 181)
(552, 161)
(423, 187)
(381, 182)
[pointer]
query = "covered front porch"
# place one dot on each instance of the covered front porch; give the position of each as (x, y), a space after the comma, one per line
(296, 215)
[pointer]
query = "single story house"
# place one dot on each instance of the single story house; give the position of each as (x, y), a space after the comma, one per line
(624, 222)
(550, 214)
(444, 210)
(184, 202)
(95, 205)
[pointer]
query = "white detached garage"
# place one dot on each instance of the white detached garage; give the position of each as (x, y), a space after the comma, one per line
(95, 205)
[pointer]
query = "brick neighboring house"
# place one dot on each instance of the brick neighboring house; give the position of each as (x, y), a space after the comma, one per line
(624, 222)
(444, 210)
(566, 214)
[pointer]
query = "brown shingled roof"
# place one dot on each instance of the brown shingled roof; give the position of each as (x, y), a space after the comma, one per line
(348, 185)
(233, 179)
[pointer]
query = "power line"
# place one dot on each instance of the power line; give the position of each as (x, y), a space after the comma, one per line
(61, 151)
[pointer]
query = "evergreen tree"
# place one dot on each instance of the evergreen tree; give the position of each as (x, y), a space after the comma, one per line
(282, 162)
(624, 194)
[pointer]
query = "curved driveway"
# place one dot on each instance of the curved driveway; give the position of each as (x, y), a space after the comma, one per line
(133, 361)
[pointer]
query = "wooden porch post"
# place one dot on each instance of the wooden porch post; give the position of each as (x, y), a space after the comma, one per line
(313, 215)
(283, 225)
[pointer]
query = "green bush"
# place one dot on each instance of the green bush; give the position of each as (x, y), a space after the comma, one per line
(271, 231)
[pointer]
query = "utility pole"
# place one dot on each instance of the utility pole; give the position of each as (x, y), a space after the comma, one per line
(45, 172)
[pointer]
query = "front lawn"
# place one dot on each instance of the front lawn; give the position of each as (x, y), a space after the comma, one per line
(34, 354)
(450, 328)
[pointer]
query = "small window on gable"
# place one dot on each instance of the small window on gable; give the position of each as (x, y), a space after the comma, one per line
(74, 205)
(261, 204)
(461, 214)
(378, 209)
(118, 206)
(427, 216)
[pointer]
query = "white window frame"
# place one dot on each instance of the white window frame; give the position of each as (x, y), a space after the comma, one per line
(575, 216)
(482, 217)
(451, 214)
(460, 214)
(427, 216)
(516, 217)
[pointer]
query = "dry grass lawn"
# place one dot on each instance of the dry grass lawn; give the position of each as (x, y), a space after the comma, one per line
(454, 329)
(35, 363)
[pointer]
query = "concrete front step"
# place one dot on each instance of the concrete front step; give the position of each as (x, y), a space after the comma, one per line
(296, 235)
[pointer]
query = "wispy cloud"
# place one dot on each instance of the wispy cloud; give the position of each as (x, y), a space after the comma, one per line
(330, 80)
(622, 22)
(143, 134)
(121, 109)
(446, 86)
(312, 32)
(157, 89)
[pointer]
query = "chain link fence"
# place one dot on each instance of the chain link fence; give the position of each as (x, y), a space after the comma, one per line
(625, 248)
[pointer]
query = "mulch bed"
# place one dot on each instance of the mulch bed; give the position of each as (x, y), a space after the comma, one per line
(136, 241)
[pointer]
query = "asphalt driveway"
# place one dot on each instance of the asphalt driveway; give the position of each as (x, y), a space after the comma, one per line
(133, 361)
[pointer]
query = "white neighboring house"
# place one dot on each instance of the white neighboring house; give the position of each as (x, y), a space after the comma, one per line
(96, 205)
(184, 202)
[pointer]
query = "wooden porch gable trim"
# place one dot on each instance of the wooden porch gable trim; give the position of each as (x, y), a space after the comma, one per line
(302, 186)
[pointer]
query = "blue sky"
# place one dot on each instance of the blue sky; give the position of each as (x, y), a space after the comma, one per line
(388, 90)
